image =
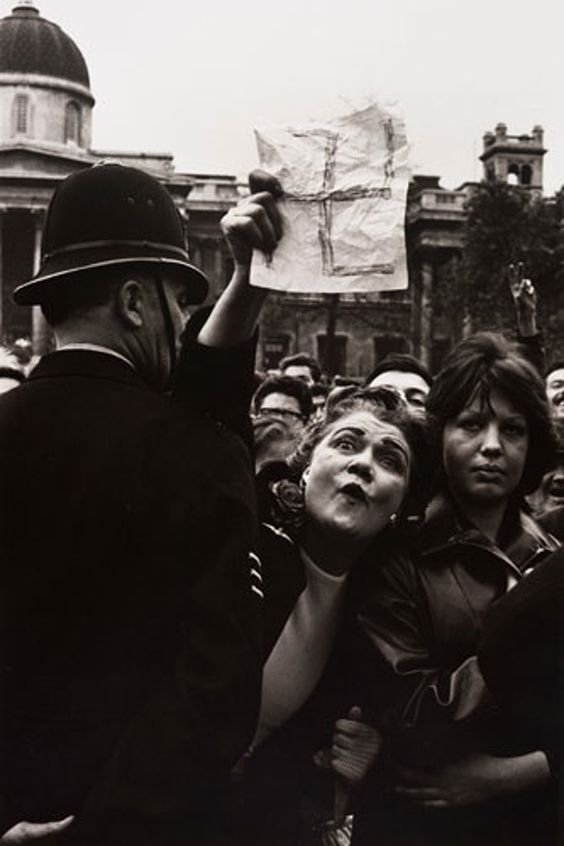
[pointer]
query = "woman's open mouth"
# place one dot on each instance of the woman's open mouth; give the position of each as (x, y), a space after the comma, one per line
(354, 491)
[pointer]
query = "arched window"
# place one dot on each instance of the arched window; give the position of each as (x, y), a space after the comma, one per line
(513, 175)
(526, 174)
(21, 114)
(72, 123)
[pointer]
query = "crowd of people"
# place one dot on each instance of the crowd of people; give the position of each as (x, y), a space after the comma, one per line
(245, 609)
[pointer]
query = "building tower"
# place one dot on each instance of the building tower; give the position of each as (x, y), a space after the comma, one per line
(514, 158)
(45, 97)
(45, 134)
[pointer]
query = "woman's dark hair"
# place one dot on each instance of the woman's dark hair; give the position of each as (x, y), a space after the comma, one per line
(487, 362)
(387, 405)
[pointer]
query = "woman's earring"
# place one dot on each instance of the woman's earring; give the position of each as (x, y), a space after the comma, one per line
(393, 520)
(304, 478)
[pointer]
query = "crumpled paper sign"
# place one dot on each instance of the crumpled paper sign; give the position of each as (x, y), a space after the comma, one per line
(343, 211)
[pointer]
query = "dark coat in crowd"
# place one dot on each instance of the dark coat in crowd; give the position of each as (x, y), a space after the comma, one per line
(280, 796)
(522, 656)
(532, 347)
(424, 615)
(553, 521)
(130, 665)
(522, 659)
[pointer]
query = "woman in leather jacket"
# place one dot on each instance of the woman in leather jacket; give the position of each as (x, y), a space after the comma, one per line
(457, 772)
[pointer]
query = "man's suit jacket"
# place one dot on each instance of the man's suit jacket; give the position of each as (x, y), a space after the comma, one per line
(130, 666)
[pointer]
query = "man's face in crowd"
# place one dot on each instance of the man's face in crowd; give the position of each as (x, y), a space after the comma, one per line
(552, 485)
(283, 407)
(550, 492)
(318, 402)
(301, 372)
(555, 392)
(411, 386)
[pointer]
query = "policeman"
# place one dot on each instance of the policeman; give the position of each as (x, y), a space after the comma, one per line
(129, 665)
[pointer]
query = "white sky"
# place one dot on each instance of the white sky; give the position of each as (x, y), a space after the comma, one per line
(194, 77)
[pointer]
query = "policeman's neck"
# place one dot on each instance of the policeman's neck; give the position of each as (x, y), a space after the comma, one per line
(80, 331)
(133, 345)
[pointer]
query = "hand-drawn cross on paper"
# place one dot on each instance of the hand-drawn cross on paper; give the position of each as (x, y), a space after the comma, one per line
(329, 195)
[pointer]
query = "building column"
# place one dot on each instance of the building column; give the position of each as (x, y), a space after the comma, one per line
(196, 254)
(218, 266)
(415, 309)
(3, 211)
(41, 333)
(426, 332)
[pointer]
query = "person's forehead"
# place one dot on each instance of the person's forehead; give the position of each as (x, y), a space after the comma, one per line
(401, 380)
(279, 400)
(555, 376)
(498, 404)
(297, 370)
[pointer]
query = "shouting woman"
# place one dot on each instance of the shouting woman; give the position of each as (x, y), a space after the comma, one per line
(356, 476)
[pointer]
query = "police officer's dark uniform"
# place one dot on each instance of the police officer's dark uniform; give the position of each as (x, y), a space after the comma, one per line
(129, 667)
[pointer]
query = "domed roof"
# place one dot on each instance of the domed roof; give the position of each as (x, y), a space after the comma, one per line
(32, 44)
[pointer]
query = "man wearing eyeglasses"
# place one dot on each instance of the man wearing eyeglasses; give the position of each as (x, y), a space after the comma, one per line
(283, 398)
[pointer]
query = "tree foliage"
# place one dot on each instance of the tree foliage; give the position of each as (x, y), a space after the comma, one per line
(505, 224)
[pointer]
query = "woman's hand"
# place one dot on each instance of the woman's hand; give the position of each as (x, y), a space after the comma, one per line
(354, 751)
(472, 780)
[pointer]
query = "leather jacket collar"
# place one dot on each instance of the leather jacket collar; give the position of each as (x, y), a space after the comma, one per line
(443, 529)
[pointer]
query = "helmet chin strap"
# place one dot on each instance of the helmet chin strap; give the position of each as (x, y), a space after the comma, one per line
(168, 325)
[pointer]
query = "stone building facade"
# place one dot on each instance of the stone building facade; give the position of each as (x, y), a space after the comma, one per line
(46, 110)
(46, 106)
(416, 320)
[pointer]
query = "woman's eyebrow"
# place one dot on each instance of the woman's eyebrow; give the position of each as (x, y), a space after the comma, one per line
(351, 429)
(514, 418)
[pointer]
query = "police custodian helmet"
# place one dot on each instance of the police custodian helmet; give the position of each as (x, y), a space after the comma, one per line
(107, 215)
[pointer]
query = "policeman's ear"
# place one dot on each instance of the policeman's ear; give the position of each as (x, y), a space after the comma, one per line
(131, 303)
